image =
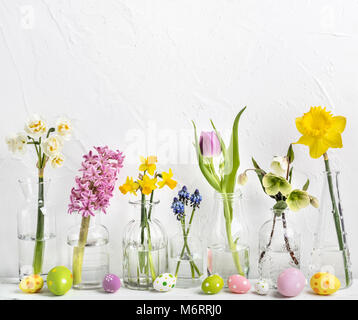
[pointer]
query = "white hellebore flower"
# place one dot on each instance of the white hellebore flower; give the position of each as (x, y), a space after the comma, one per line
(279, 165)
(17, 143)
(52, 146)
(35, 126)
(57, 161)
(64, 128)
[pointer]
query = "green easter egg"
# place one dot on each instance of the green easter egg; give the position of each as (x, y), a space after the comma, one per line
(212, 284)
(59, 280)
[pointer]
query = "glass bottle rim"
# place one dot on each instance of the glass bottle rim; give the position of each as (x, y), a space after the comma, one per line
(32, 180)
(229, 195)
(331, 172)
(147, 202)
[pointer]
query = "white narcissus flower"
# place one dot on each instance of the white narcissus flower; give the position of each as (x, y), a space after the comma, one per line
(17, 143)
(57, 161)
(64, 128)
(279, 165)
(35, 126)
(52, 146)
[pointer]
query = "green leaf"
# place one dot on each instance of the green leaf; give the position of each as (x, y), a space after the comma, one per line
(203, 167)
(290, 154)
(260, 173)
(232, 158)
(290, 175)
(305, 187)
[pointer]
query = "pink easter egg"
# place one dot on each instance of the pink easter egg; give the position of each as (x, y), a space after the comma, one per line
(291, 282)
(238, 284)
(210, 260)
(111, 283)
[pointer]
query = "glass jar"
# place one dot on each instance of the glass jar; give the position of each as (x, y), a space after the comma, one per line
(186, 259)
(330, 250)
(279, 246)
(228, 250)
(36, 229)
(88, 242)
(145, 245)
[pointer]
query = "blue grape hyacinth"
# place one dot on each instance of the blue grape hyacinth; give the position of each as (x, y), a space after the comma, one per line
(178, 208)
(195, 199)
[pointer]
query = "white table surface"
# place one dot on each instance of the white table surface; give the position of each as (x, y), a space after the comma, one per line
(9, 290)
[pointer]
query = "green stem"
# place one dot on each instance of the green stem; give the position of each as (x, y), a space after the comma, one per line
(39, 244)
(336, 218)
(78, 251)
(228, 213)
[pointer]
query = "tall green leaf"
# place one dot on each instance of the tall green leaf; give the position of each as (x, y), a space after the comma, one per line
(232, 158)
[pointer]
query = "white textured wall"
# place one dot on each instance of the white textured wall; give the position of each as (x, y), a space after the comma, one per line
(134, 73)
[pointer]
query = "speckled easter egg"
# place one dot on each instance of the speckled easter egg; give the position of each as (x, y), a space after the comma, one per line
(238, 284)
(31, 284)
(111, 283)
(212, 284)
(262, 287)
(59, 280)
(324, 283)
(164, 282)
(291, 282)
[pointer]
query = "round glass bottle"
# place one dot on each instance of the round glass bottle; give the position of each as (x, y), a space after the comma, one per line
(279, 246)
(145, 245)
(228, 250)
(88, 252)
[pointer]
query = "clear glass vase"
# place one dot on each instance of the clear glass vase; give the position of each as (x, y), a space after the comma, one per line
(330, 250)
(186, 259)
(88, 242)
(145, 245)
(228, 250)
(36, 229)
(279, 246)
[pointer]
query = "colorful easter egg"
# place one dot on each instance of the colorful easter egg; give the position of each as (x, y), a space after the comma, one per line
(111, 283)
(59, 280)
(31, 284)
(164, 282)
(291, 282)
(238, 284)
(212, 284)
(262, 287)
(324, 283)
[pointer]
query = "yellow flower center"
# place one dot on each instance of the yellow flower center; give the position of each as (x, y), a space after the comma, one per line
(317, 122)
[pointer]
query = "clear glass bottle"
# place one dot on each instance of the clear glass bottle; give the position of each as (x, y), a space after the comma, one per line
(279, 246)
(330, 250)
(227, 237)
(187, 259)
(88, 252)
(34, 211)
(145, 247)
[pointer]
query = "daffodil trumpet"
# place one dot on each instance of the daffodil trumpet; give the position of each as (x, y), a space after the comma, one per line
(321, 131)
(148, 181)
(225, 183)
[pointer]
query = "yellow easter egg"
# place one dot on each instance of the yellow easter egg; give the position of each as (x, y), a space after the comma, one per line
(31, 284)
(324, 283)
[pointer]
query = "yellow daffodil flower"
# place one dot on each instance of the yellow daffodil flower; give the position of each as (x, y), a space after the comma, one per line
(167, 180)
(130, 186)
(147, 185)
(148, 164)
(320, 131)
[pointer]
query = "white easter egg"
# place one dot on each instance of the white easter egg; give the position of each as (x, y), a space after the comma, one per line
(262, 287)
(164, 282)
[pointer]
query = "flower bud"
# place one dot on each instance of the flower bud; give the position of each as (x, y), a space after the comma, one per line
(209, 144)
(314, 202)
(242, 179)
